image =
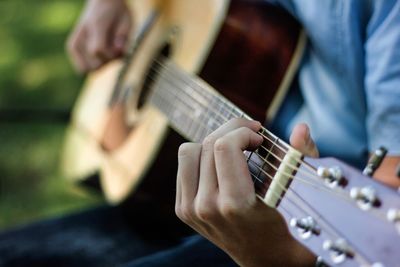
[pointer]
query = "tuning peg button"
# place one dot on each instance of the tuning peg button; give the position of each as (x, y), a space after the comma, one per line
(340, 250)
(366, 197)
(306, 227)
(332, 176)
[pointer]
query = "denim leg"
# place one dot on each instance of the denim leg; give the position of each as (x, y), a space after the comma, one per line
(97, 237)
(194, 251)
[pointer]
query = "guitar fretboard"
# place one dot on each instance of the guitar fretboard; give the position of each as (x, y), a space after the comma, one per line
(195, 109)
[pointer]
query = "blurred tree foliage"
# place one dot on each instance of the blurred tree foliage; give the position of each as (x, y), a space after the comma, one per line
(35, 75)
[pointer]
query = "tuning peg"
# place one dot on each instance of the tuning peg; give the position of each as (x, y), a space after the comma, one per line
(375, 161)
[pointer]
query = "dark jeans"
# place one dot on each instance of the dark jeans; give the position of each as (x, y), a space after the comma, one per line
(104, 237)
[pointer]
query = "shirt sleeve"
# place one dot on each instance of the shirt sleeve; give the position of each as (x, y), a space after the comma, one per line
(382, 76)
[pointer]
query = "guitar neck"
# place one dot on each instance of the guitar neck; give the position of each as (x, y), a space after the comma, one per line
(195, 110)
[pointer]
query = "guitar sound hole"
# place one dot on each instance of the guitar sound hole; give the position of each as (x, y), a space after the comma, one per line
(152, 74)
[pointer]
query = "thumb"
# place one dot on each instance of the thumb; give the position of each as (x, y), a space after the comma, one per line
(302, 141)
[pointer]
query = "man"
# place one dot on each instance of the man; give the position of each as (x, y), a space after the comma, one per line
(349, 74)
(349, 83)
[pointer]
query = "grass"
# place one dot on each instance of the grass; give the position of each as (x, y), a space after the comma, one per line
(35, 75)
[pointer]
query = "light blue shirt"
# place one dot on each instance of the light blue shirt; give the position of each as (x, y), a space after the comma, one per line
(350, 76)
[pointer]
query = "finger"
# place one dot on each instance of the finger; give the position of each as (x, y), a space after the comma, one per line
(74, 47)
(188, 172)
(121, 35)
(235, 124)
(208, 183)
(233, 174)
(187, 183)
(98, 49)
(302, 141)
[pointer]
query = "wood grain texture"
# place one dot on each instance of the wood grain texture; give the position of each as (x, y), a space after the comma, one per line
(251, 55)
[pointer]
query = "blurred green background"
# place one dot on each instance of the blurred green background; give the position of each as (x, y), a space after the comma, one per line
(36, 78)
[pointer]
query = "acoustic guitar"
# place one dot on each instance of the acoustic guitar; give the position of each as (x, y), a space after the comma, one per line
(248, 50)
(193, 66)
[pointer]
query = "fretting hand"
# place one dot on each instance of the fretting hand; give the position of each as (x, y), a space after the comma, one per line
(216, 197)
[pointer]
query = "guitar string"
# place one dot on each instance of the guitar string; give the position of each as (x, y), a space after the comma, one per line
(201, 94)
(377, 213)
(262, 170)
(344, 196)
(274, 143)
(283, 208)
(289, 175)
(329, 229)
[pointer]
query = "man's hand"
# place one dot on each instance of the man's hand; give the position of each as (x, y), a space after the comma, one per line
(100, 35)
(216, 197)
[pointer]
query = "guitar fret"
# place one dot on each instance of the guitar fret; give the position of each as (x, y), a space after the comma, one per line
(236, 113)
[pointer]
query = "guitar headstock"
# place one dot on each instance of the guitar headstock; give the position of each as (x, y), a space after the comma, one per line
(343, 216)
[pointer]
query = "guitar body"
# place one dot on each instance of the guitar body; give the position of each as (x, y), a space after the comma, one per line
(247, 50)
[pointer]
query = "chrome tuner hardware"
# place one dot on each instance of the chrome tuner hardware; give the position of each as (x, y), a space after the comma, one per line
(332, 176)
(339, 249)
(306, 227)
(393, 215)
(366, 197)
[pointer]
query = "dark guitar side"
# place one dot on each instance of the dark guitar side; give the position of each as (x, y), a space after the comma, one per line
(247, 64)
